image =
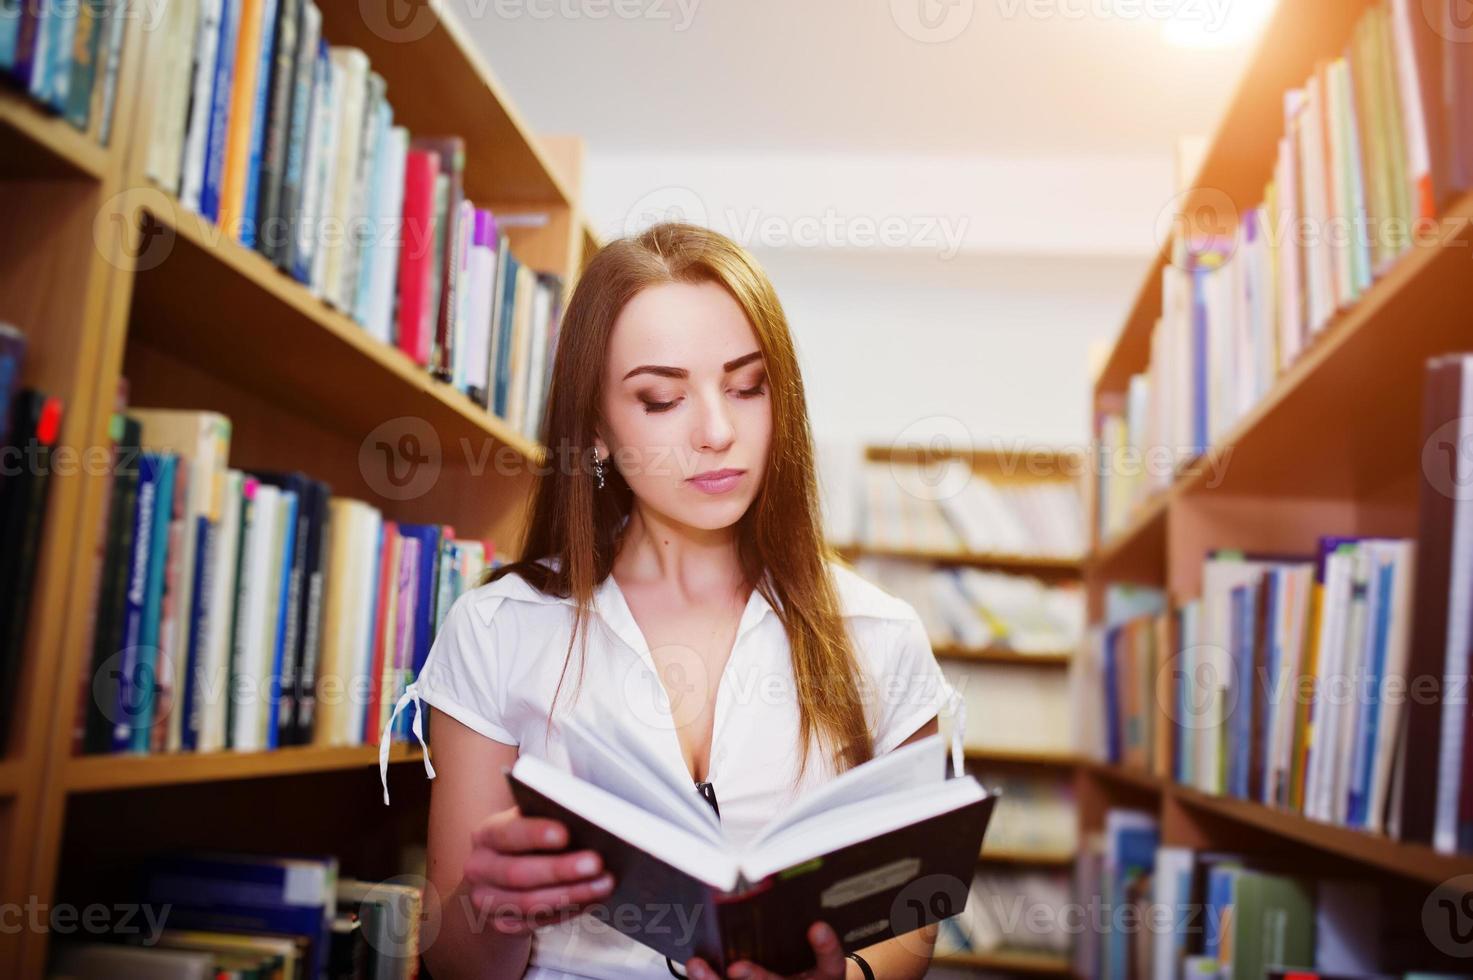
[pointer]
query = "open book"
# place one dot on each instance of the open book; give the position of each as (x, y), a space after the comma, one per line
(880, 850)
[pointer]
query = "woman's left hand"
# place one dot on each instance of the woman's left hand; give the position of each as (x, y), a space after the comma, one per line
(830, 965)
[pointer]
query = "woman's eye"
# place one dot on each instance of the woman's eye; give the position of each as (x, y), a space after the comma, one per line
(752, 392)
(651, 408)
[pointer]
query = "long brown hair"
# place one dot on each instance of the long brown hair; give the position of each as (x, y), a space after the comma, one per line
(781, 532)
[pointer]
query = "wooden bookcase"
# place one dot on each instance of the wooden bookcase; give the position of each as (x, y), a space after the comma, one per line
(110, 277)
(1002, 465)
(1334, 448)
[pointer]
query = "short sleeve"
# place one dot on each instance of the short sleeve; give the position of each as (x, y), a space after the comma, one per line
(909, 686)
(463, 674)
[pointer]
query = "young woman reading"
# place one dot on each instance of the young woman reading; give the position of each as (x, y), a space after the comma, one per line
(674, 535)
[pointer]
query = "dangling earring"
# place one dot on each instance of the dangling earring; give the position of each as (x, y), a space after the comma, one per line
(598, 469)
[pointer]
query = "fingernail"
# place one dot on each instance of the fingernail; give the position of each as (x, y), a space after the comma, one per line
(739, 971)
(586, 865)
(549, 836)
(603, 883)
(825, 935)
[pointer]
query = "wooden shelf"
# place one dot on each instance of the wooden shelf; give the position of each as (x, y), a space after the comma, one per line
(1240, 157)
(1007, 961)
(42, 145)
(1020, 757)
(1415, 861)
(1037, 564)
(1000, 655)
(1134, 544)
(1410, 860)
(439, 83)
(222, 306)
(90, 774)
(1036, 859)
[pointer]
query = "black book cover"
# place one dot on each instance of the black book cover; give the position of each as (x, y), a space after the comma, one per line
(319, 493)
(300, 484)
(868, 891)
(35, 424)
(112, 603)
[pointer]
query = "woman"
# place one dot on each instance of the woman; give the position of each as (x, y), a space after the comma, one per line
(715, 634)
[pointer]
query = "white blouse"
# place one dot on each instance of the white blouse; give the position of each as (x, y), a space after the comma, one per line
(496, 662)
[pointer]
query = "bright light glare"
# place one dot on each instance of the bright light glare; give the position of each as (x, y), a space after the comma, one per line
(1216, 23)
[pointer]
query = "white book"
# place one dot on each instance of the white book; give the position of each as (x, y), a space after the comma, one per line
(383, 285)
(255, 587)
(1393, 709)
(215, 671)
(891, 834)
(350, 65)
(1459, 635)
(1334, 620)
(202, 86)
(328, 127)
(369, 538)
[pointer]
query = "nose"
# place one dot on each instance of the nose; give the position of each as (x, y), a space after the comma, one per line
(715, 431)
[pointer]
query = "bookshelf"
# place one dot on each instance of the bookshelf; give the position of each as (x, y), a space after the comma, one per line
(119, 280)
(1333, 447)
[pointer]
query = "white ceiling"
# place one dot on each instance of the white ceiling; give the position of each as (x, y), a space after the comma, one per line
(845, 76)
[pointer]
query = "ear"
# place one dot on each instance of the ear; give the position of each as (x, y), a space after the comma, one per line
(601, 447)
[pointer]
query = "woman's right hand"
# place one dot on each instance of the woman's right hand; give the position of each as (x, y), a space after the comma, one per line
(518, 885)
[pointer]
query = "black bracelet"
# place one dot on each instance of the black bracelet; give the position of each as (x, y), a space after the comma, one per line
(863, 966)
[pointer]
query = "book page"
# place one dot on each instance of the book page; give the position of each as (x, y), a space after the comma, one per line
(640, 780)
(903, 770)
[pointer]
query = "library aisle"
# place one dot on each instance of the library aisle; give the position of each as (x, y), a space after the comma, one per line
(1114, 361)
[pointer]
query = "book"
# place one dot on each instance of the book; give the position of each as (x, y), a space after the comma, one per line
(883, 848)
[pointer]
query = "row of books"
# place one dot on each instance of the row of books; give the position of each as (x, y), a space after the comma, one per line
(1311, 681)
(1035, 813)
(1374, 143)
(30, 424)
(259, 916)
(252, 609)
(948, 507)
(65, 56)
(1175, 912)
(1012, 912)
(1013, 708)
(974, 608)
(290, 145)
(1282, 683)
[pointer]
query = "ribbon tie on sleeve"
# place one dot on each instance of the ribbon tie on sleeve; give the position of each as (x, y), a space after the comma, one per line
(411, 693)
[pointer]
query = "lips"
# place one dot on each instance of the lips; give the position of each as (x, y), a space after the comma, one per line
(716, 481)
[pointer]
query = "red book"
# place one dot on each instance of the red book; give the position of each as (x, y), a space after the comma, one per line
(387, 577)
(417, 256)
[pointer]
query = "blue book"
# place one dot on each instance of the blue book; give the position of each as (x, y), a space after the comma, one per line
(10, 15)
(1112, 696)
(148, 641)
(304, 244)
(61, 35)
(125, 696)
(202, 578)
(260, 123)
(209, 196)
(378, 221)
(1221, 883)
(1263, 709)
(429, 537)
(249, 893)
(1383, 578)
(283, 616)
(503, 345)
(377, 557)
(1242, 600)
(31, 59)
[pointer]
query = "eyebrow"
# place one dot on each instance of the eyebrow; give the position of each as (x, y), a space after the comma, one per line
(676, 372)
